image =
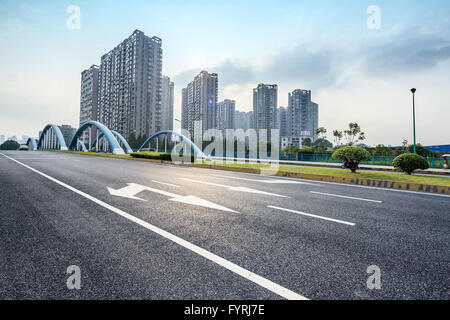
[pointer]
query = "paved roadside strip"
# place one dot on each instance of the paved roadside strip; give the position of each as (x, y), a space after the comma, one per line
(259, 280)
(383, 184)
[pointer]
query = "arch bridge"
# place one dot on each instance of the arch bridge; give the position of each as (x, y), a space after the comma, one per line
(101, 139)
(183, 140)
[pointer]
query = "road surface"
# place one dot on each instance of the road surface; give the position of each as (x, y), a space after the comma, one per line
(141, 230)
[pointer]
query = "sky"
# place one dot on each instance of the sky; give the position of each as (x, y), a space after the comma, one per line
(359, 68)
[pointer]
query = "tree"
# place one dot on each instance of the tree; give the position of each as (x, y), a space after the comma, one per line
(337, 137)
(421, 150)
(354, 133)
(382, 150)
(321, 132)
(405, 143)
(307, 142)
(10, 145)
(322, 145)
(306, 149)
(408, 162)
(132, 141)
(291, 150)
(141, 139)
(351, 156)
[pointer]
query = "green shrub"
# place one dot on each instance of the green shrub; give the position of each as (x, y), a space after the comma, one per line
(351, 156)
(408, 162)
(156, 156)
(10, 145)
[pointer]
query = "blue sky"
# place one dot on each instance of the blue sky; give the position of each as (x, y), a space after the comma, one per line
(356, 74)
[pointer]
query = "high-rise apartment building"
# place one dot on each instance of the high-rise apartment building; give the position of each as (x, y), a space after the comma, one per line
(243, 120)
(167, 104)
(282, 121)
(129, 95)
(225, 115)
(303, 116)
(315, 118)
(199, 102)
(68, 132)
(2, 138)
(89, 94)
(265, 100)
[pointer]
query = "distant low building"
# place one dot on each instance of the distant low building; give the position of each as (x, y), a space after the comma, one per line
(295, 141)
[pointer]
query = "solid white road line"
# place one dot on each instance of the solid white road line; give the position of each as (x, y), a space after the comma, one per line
(346, 197)
(261, 281)
(271, 181)
(166, 184)
(312, 215)
(231, 188)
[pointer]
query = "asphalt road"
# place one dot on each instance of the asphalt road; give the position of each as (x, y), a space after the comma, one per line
(194, 233)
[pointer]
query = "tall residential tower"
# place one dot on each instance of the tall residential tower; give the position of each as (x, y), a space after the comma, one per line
(89, 94)
(130, 86)
(265, 100)
(303, 119)
(282, 121)
(225, 115)
(243, 120)
(167, 104)
(199, 102)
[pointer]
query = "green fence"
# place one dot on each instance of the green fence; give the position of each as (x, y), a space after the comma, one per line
(437, 163)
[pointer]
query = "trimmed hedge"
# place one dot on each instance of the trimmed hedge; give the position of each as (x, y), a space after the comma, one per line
(408, 162)
(156, 156)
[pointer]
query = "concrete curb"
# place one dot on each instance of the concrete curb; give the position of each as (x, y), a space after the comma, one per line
(445, 190)
(372, 182)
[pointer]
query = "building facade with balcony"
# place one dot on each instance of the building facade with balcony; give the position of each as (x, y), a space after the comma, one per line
(130, 86)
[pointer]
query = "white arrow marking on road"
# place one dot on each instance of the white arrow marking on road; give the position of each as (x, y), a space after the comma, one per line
(128, 192)
(132, 189)
(196, 201)
(241, 189)
(275, 181)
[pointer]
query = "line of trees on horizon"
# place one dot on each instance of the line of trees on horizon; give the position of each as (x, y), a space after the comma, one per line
(353, 136)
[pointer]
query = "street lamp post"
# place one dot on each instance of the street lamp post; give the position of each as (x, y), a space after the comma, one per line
(413, 90)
